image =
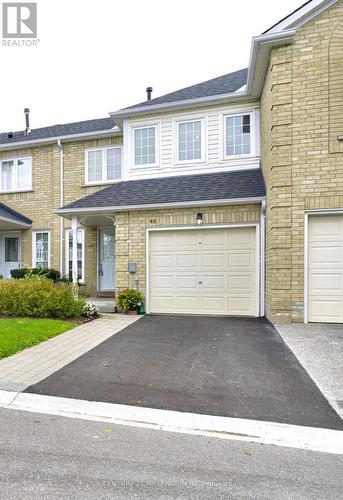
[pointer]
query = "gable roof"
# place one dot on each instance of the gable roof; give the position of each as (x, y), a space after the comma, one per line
(224, 84)
(8, 213)
(174, 190)
(59, 131)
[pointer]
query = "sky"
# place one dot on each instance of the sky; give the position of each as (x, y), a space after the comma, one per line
(97, 56)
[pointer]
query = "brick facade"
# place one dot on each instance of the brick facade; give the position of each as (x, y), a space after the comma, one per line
(302, 160)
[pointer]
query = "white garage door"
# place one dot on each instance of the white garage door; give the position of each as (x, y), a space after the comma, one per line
(204, 271)
(325, 269)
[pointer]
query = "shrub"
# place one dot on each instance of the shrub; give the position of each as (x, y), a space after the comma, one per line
(40, 298)
(129, 299)
(51, 274)
(90, 311)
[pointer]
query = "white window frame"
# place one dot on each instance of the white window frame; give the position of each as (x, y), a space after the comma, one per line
(104, 179)
(16, 189)
(34, 241)
(67, 232)
(177, 123)
(252, 115)
(157, 145)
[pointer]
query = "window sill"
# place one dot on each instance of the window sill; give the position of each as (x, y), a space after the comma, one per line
(12, 191)
(100, 183)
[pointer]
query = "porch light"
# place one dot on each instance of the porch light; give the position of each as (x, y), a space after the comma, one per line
(199, 218)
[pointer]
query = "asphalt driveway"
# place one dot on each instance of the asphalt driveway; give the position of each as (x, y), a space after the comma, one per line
(230, 367)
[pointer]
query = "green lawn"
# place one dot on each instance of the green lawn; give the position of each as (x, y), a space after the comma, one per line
(18, 333)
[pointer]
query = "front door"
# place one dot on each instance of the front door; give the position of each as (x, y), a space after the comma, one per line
(106, 259)
(9, 254)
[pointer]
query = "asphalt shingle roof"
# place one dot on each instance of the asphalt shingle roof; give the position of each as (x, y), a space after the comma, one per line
(8, 213)
(87, 126)
(224, 84)
(201, 187)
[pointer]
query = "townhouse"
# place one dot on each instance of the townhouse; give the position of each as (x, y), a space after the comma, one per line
(222, 198)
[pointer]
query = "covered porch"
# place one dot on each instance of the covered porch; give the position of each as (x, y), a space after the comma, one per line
(91, 256)
(12, 224)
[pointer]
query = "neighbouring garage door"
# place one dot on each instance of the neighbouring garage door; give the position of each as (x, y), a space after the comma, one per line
(203, 271)
(325, 269)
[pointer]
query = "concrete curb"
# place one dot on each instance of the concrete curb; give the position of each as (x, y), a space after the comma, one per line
(291, 436)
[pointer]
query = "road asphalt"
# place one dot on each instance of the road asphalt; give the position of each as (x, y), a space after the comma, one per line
(50, 457)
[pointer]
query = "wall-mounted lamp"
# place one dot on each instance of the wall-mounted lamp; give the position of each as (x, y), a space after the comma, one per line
(199, 218)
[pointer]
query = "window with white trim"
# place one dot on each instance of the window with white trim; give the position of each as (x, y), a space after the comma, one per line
(15, 174)
(41, 249)
(103, 165)
(80, 254)
(144, 145)
(238, 135)
(189, 141)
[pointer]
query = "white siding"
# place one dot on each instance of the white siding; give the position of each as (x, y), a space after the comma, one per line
(214, 161)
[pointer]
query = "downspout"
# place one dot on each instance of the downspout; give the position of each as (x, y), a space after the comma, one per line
(263, 256)
(60, 146)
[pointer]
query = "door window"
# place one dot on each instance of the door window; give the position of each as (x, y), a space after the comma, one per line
(11, 250)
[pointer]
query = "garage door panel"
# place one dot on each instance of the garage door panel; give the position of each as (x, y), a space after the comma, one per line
(242, 262)
(213, 304)
(213, 262)
(240, 305)
(214, 281)
(204, 271)
(325, 269)
(187, 303)
(162, 261)
(187, 281)
(216, 238)
(187, 260)
(326, 228)
(163, 281)
(326, 255)
(323, 310)
(241, 284)
(325, 282)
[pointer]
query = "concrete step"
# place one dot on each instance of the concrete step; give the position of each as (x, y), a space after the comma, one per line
(104, 304)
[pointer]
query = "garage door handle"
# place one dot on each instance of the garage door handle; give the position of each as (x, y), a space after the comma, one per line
(200, 282)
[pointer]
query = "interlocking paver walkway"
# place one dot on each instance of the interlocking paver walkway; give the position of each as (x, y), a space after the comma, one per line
(36, 363)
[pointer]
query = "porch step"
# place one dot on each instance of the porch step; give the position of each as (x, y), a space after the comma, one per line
(105, 305)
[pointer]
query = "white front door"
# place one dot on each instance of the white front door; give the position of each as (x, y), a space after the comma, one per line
(106, 265)
(325, 269)
(204, 271)
(9, 253)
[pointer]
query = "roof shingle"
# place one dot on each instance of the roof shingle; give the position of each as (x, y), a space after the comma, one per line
(186, 188)
(224, 84)
(8, 213)
(99, 124)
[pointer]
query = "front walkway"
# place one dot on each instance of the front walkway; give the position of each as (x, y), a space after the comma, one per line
(319, 348)
(36, 363)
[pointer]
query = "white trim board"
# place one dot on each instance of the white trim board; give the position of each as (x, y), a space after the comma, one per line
(237, 429)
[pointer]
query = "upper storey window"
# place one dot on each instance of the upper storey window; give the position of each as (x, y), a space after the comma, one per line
(189, 141)
(238, 135)
(103, 165)
(145, 146)
(15, 174)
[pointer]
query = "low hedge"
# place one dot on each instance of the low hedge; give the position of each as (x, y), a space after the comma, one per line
(39, 298)
(51, 274)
